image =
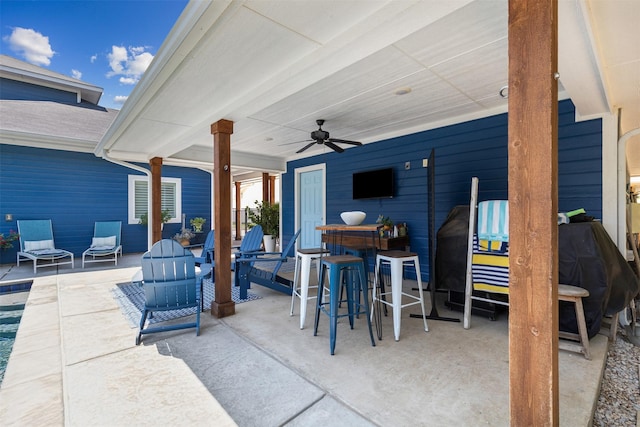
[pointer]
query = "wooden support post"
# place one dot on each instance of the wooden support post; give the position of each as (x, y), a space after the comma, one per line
(533, 201)
(238, 185)
(156, 199)
(272, 189)
(265, 187)
(223, 305)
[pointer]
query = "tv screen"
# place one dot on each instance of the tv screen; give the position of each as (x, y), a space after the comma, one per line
(373, 184)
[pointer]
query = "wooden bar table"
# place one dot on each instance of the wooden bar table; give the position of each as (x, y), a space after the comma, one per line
(354, 237)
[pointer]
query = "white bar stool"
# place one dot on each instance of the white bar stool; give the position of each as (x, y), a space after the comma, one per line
(397, 260)
(303, 262)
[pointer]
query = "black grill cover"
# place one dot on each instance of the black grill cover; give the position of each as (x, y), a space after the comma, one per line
(587, 258)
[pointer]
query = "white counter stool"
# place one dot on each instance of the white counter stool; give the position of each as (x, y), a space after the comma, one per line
(302, 273)
(575, 294)
(397, 261)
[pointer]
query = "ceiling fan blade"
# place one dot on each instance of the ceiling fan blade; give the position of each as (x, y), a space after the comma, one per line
(297, 142)
(333, 146)
(305, 147)
(345, 141)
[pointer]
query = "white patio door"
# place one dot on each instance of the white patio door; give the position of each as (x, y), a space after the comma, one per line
(310, 204)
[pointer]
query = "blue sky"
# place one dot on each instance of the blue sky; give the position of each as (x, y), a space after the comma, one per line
(105, 43)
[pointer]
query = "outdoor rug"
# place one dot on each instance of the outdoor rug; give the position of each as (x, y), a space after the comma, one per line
(130, 298)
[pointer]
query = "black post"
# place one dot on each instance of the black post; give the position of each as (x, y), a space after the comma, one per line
(431, 188)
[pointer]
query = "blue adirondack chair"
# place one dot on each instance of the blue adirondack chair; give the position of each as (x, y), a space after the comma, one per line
(170, 283)
(247, 271)
(206, 257)
(251, 243)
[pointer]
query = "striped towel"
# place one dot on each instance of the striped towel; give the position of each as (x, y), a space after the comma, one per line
(490, 267)
(493, 220)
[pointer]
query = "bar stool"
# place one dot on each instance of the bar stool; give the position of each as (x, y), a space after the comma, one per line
(342, 269)
(302, 273)
(575, 294)
(397, 260)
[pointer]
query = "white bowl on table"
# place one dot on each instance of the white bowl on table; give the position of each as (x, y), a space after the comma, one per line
(353, 217)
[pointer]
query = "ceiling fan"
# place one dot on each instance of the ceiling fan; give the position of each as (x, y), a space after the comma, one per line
(322, 137)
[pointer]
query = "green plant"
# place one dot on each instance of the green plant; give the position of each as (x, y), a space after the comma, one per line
(266, 215)
(7, 242)
(385, 221)
(197, 223)
(165, 217)
(184, 234)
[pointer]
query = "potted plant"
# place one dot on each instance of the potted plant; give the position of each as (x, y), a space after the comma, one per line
(184, 236)
(266, 215)
(197, 224)
(165, 217)
(7, 242)
(387, 225)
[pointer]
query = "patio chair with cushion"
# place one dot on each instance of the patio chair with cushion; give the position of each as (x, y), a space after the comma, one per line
(170, 283)
(105, 244)
(37, 244)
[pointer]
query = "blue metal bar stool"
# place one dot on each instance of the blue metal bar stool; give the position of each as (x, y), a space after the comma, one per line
(343, 269)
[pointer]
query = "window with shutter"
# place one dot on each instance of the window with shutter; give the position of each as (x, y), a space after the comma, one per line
(171, 197)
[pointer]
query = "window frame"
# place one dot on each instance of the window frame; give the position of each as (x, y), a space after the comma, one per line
(131, 204)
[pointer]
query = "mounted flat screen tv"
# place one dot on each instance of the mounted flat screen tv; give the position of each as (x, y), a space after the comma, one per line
(373, 184)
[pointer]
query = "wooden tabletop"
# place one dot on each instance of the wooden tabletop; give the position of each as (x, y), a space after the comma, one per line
(345, 227)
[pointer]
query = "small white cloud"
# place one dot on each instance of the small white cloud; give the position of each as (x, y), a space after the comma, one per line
(128, 80)
(76, 74)
(120, 99)
(137, 50)
(129, 63)
(31, 45)
(117, 60)
(93, 58)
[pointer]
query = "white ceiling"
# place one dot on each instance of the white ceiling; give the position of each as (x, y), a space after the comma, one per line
(274, 67)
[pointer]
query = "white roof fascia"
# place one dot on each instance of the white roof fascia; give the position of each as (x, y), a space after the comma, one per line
(85, 91)
(36, 140)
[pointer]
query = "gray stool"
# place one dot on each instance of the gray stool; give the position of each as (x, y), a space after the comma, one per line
(575, 294)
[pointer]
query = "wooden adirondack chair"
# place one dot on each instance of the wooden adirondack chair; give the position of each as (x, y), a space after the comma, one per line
(170, 283)
(247, 273)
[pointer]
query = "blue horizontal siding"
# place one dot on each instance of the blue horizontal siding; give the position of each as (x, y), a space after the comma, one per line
(474, 148)
(16, 90)
(75, 190)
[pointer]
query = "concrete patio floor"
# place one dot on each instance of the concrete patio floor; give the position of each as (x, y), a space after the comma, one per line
(75, 363)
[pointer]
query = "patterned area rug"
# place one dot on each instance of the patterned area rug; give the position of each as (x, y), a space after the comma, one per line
(130, 298)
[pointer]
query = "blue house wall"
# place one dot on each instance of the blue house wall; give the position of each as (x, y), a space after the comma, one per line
(462, 151)
(76, 189)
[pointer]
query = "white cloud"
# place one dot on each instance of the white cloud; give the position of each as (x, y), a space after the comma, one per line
(93, 58)
(31, 45)
(128, 80)
(120, 99)
(76, 74)
(129, 63)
